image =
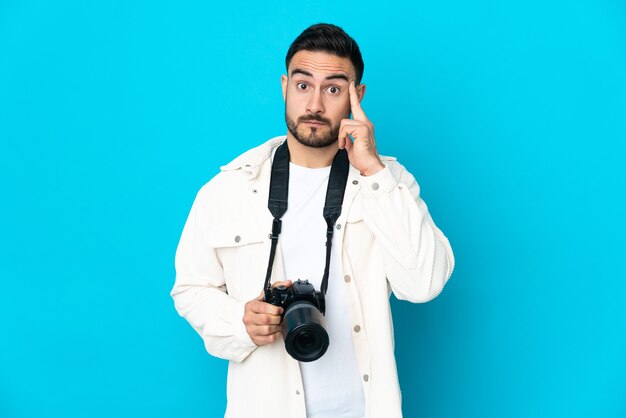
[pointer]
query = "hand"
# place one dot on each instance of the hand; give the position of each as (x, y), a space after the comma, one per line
(362, 152)
(262, 319)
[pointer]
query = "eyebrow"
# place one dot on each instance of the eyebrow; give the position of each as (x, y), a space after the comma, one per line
(330, 77)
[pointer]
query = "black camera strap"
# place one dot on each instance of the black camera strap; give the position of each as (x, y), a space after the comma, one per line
(277, 204)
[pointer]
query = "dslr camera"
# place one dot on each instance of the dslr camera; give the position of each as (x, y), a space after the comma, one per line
(303, 325)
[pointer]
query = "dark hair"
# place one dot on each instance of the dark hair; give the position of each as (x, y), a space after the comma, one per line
(331, 39)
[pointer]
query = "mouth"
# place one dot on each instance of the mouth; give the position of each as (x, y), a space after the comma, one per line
(314, 123)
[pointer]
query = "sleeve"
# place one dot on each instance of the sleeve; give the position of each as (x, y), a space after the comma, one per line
(200, 294)
(418, 258)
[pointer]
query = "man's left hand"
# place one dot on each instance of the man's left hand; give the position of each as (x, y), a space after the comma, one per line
(362, 152)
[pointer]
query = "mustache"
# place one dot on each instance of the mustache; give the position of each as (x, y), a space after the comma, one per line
(316, 118)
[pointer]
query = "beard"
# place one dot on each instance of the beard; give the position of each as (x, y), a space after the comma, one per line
(311, 136)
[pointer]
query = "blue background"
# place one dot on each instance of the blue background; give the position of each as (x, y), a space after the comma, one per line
(511, 115)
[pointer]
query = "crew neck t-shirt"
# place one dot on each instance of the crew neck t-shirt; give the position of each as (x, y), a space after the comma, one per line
(332, 384)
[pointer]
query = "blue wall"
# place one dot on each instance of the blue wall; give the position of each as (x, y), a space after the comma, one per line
(510, 114)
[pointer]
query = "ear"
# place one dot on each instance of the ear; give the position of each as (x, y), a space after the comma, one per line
(283, 81)
(360, 91)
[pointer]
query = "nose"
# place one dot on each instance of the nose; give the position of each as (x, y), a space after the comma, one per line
(315, 103)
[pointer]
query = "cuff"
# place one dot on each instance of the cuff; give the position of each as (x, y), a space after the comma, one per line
(241, 334)
(378, 184)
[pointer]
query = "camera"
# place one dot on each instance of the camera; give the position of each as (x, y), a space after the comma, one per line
(303, 325)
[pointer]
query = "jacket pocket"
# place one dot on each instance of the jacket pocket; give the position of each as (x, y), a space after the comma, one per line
(241, 251)
(355, 214)
(235, 237)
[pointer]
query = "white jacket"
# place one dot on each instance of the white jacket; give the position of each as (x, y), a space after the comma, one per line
(388, 243)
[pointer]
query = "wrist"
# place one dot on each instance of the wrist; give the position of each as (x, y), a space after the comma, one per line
(373, 169)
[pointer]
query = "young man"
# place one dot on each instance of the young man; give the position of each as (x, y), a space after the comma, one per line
(384, 241)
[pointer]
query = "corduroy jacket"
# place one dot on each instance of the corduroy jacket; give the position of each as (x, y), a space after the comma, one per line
(388, 243)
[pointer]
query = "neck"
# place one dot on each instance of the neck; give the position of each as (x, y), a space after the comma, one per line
(310, 157)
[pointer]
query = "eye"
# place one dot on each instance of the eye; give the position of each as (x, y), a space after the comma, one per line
(334, 90)
(301, 85)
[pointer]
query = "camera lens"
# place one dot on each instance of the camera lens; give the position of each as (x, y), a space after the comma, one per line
(306, 341)
(304, 329)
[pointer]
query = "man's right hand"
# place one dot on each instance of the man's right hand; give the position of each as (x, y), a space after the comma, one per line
(262, 319)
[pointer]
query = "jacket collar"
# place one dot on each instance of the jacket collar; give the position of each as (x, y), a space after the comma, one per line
(257, 168)
(252, 160)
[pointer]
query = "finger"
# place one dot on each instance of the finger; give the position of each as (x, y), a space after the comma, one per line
(357, 130)
(252, 320)
(349, 145)
(261, 330)
(268, 308)
(351, 122)
(265, 319)
(344, 131)
(355, 105)
(363, 128)
(260, 307)
(266, 339)
(343, 138)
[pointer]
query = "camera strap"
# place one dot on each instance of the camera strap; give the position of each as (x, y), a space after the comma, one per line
(277, 204)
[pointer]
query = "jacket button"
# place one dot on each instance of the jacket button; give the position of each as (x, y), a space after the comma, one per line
(366, 377)
(253, 190)
(338, 226)
(237, 238)
(357, 328)
(297, 392)
(355, 182)
(375, 186)
(346, 278)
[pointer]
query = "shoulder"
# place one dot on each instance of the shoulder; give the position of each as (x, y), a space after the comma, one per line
(243, 167)
(256, 156)
(397, 170)
(401, 175)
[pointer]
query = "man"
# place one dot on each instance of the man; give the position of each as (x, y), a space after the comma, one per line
(384, 241)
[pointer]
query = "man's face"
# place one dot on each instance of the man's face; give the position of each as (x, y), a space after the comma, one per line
(316, 96)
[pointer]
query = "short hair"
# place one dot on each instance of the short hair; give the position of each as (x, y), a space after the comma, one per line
(331, 39)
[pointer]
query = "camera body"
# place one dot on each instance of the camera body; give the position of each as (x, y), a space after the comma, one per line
(303, 325)
(300, 290)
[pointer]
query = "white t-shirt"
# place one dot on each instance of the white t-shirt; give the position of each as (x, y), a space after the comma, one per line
(332, 384)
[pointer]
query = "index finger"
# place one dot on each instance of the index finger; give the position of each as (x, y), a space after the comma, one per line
(271, 309)
(266, 308)
(355, 106)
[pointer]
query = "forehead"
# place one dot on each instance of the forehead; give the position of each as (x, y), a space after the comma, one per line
(321, 64)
